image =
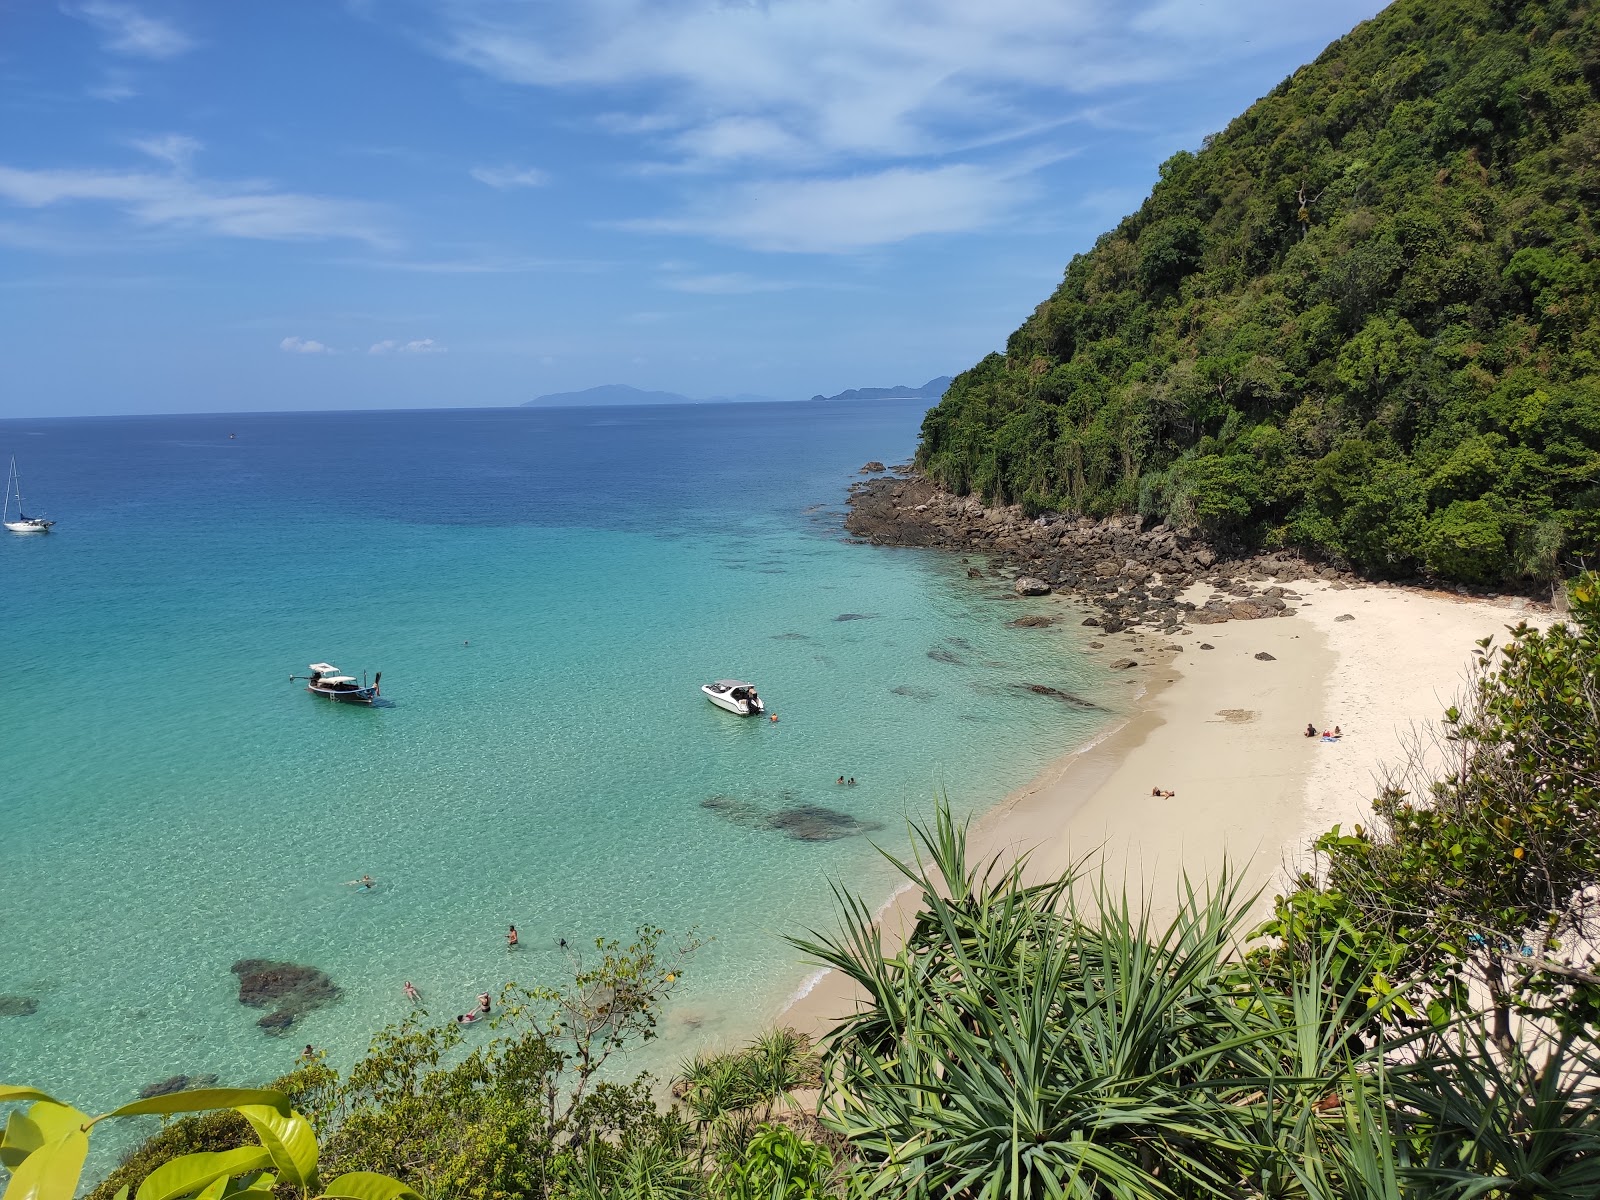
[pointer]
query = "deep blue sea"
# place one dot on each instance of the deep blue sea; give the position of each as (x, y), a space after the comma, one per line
(544, 591)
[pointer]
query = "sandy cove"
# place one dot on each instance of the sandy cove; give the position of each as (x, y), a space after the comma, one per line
(1224, 730)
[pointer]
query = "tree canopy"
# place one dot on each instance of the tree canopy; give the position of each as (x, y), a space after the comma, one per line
(1361, 321)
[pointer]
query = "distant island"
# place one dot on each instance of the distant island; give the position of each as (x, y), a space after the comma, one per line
(934, 389)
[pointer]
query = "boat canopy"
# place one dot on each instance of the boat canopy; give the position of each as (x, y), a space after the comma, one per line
(336, 679)
(323, 668)
(723, 685)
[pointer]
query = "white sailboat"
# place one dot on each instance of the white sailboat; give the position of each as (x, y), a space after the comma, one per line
(23, 523)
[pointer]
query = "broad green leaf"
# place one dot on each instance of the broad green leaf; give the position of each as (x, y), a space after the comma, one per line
(203, 1100)
(213, 1190)
(367, 1185)
(10, 1091)
(45, 1121)
(122, 1193)
(52, 1171)
(183, 1176)
(290, 1141)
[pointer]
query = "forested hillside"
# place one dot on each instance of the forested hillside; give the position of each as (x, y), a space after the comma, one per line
(1361, 321)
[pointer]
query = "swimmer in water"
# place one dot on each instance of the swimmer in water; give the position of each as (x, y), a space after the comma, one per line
(467, 1018)
(309, 1053)
(366, 883)
(483, 1003)
(412, 994)
(562, 943)
(512, 939)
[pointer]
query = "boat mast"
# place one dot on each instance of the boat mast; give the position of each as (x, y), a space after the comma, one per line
(12, 475)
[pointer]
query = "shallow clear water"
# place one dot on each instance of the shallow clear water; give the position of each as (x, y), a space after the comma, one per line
(170, 802)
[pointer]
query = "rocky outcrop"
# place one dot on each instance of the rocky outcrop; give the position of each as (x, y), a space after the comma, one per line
(1132, 574)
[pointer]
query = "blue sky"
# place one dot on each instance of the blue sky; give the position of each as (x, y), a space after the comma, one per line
(210, 206)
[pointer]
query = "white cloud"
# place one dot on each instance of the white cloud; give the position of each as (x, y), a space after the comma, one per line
(125, 30)
(848, 213)
(173, 148)
(510, 177)
(418, 346)
(299, 345)
(176, 201)
(765, 105)
(813, 81)
(730, 284)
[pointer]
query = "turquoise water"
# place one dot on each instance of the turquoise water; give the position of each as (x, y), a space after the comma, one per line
(170, 802)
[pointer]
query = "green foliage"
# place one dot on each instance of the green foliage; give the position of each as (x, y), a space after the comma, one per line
(1482, 878)
(1024, 1043)
(45, 1147)
(1363, 320)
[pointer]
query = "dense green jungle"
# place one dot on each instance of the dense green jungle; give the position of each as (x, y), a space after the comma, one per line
(1361, 321)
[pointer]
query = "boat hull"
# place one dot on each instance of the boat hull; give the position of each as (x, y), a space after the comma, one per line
(29, 526)
(357, 696)
(739, 708)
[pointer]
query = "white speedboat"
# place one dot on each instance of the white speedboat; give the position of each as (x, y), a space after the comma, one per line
(735, 695)
(326, 681)
(23, 523)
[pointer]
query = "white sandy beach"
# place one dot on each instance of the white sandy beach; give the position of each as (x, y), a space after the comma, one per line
(1224, 730)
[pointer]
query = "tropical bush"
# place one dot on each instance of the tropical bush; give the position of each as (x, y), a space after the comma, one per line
(1361, 320)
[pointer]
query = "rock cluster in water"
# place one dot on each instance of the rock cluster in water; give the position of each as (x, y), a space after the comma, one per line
(290, 989)
(1131, 574)
(802, 822)
(18, 1006)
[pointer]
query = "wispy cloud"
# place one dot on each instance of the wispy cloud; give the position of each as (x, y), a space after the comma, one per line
(126, 30)
(734, 283)
(418, 346)
(176, 149)
(176, 201)
(856, 105)
(300, 345)
(510, 177)
(848, 213)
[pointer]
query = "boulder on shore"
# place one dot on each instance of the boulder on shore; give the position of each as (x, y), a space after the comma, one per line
(873, 468)
(1031, 585)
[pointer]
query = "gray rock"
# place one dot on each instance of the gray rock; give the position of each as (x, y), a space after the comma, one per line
(1207, 646)
(873, 468)
(1122, 664)
(1033, 621)
(1265, 657)
(1345, 617)
(1030, 585)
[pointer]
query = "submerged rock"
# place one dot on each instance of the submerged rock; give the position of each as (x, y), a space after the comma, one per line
(813, 823)
(176, 1083)
(18, 1006)
(1035, 621)
(915, 693)
(290, 989)
(802, 822)
(1040, 689)
(856, 616)
(940, 654)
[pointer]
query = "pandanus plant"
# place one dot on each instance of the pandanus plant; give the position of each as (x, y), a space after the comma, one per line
(45, 1146)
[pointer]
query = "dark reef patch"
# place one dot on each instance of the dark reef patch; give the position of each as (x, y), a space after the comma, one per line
(915, 693)
(18, 1006)
(856, 617)
(176, 1083)
(290, 989)
(940, 654)
(799, 821)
